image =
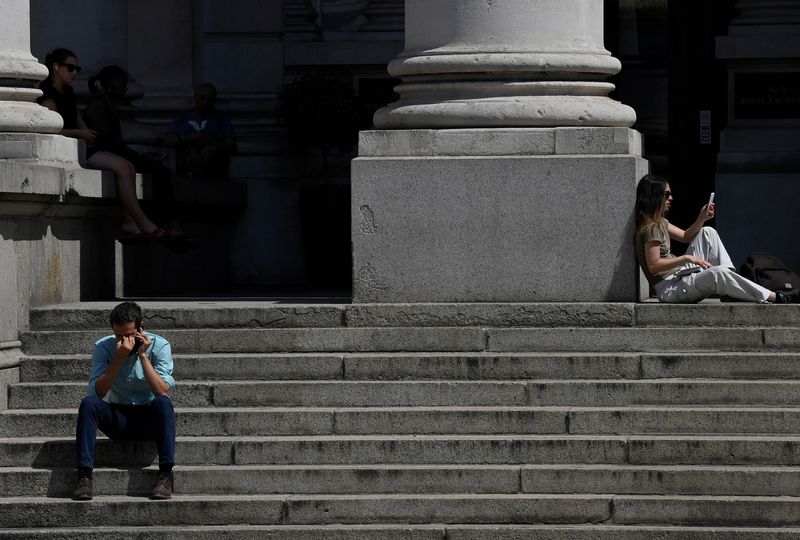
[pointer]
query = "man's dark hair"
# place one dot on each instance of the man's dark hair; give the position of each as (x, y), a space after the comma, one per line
(125, 313)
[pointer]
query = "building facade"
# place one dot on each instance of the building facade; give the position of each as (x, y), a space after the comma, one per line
(692, 73)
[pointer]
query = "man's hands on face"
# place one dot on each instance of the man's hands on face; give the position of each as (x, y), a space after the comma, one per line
(127, 343)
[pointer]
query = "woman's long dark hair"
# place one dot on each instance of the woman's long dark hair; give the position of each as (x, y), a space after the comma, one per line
(649, 200)
(105, 76)
(56, 56)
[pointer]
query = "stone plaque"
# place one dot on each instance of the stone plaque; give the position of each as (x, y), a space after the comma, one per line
(767, 95)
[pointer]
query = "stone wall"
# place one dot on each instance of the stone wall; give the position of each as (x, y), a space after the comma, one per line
(57, 228)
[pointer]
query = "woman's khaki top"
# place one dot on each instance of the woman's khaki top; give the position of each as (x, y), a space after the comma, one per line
(654, 232)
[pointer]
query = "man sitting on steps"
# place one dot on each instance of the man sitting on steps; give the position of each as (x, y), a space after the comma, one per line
(134, 369)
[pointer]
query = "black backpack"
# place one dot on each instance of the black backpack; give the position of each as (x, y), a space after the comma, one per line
(770, 272)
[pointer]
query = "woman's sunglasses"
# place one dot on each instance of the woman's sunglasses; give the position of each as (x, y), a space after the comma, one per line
(667, 194)
(70, 67)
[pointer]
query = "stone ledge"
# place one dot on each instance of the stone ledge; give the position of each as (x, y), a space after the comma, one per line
(27, 185)
(499, 142)
(39, 147)
(36, 179)
(10, 354)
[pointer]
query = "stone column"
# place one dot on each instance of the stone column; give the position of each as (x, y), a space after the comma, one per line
(19, 74)
(758, 169)
(504, 172)
(511, 63)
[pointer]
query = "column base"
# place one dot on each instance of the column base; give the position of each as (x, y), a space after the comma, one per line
(35, 146)
(19, 112)
(522, 111)
(547, 226)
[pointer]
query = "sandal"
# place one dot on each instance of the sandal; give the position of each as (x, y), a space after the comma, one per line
(156, 234)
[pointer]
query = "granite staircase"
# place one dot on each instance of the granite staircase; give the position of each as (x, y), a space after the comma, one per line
(437, 421)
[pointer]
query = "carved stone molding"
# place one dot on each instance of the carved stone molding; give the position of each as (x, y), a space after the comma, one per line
(469, 63)
(19, 74)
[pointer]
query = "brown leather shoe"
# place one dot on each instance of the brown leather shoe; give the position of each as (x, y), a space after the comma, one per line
(83, 490)
(162, 489)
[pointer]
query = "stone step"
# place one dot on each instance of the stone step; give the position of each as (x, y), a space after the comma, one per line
(270, 479)
(310, 509)
(543, 392)
(210, 314)
(715, 313)
(706, 510)
(641, 339)
(414, 339)
(662, 479)
(233, 340)
(362, 479)
(94, 315)
(404, 508)
(255, 314)
(452, 366)
(198, 367)
(242, 421)
(412, 532)
(659, 450)
(258, 421)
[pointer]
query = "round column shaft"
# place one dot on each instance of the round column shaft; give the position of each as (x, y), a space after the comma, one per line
(19, 74)
(509, 63)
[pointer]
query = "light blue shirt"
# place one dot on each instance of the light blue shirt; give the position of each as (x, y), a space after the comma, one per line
(130, 387)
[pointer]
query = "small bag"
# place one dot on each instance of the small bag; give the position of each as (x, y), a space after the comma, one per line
(770, 272)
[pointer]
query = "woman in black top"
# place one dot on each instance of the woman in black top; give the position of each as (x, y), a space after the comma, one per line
(59, 97)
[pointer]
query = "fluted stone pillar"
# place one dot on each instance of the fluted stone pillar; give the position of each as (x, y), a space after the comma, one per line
(758, 168)
(20, 72)
(504, 172)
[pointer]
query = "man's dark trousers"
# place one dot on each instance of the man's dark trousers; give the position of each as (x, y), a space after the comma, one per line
(154, 421)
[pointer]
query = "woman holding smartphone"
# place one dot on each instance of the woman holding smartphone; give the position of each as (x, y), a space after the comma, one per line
(705, 269)
(59, 97)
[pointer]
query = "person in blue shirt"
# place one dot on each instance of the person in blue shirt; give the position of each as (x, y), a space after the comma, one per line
(203, 139)
(132, 369)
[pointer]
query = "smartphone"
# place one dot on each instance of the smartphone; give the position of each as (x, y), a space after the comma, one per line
(711, 199)
(136, 344)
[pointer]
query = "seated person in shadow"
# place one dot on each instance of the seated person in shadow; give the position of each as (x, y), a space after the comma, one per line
(203, 138)
(109, 87)
(58, 96)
